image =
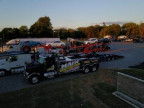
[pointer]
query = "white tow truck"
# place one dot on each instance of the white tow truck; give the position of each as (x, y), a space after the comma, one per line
(14, 63)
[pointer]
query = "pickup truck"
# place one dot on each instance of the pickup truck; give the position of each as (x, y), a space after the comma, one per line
(51, 65)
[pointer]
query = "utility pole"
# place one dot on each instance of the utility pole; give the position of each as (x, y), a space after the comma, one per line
(104, 28)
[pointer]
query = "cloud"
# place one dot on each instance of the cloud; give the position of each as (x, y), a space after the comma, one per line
(115, 22)
(111, 22)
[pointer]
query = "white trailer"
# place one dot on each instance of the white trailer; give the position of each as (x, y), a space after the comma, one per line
(14, 44)
(43, 40)
(14, 64)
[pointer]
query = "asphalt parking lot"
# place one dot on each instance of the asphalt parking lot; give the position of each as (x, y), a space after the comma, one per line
(133, 52)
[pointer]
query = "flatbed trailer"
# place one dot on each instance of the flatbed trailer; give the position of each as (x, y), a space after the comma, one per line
(97, 47)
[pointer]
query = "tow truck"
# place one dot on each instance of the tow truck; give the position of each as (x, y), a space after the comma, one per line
(14, 62)
(55, 64)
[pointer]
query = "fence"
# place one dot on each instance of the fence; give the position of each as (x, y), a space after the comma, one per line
(130, 89)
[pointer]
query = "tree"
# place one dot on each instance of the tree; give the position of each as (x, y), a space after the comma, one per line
(130, 29)
(23, 31)
(141, 29)
(91, 31)
(7, 33)
(83, 29)
(114, 30)
(42, 28)
(63, 33)
(103, 31)
(15, 33)
(79, 34)
(10, 33)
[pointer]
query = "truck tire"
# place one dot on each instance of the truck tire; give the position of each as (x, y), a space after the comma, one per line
(86, 69)
(94, 68)
(2, 73)
(34, 79)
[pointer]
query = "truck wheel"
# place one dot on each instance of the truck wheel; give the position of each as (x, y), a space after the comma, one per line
(94, 68)
(34, 79)
(2, 73)
(86, 69)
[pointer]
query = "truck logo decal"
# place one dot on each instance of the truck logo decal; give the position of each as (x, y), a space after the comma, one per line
(70, 68)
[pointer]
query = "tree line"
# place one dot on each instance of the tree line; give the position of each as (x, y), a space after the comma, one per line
(43, 28)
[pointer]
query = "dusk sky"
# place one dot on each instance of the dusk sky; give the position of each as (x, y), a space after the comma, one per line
(70, 13)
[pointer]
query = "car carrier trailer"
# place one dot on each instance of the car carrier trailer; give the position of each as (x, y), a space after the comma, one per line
(48, 67)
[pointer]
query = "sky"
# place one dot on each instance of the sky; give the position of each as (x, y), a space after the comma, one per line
(70, 13)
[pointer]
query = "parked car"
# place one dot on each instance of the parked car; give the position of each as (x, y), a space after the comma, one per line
(104, 40)
(26, 45)
(128, 40)
(138, 40)
(91, 41)
(56, 44)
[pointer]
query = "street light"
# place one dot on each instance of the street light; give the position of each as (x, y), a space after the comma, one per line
(57, 33)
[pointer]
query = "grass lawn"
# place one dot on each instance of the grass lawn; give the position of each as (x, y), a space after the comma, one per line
(92, 90)
(134, 72)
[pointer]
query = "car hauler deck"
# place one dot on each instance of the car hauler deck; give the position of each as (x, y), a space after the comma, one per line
(48, 67)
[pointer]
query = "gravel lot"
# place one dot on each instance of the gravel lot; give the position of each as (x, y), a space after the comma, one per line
(133, 52)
